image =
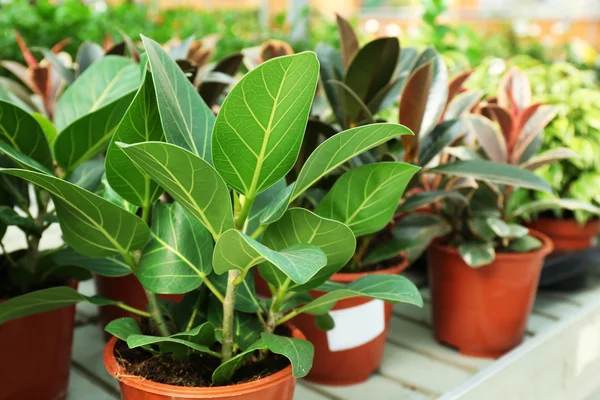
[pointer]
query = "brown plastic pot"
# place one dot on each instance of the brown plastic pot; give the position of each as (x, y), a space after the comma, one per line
(36, 355)
(483, 311)
(567, 234)
(346, 364)
(126, 289)
(279, 386)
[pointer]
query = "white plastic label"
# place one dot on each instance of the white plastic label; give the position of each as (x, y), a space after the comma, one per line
(356, 326)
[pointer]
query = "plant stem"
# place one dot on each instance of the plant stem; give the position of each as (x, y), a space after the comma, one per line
(146, 213)
(247, 202)
(261, 228)
(156, 314)
(228, 314)
(192, 319)
(276, 305)
(8, 257)
(213, 289)
(133, 310)
(286, 318)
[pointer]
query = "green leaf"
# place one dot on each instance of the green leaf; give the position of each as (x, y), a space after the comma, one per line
(266, 199)
(442, 136)
(494, 172)
(262, 122)
(88, 175)
(525, 244)
(366, 197)
(234, 250)
(48, 128)
(350, 101)
(106, 266)
(141, 123)
(551, 204)
(91, 225)
(278, 206)
(134, 341)
(342, 147)
(300, 352)
(178, 255)
(504, 230)
(390, 288)
(109, 194)
(425, 198)
(202, 335)
(324, 322)
(481, 229)
(549, 157)
(10, 217)
(87, 54)
(122, 328)
(224, 372)
(105, 81)
(44, 300)
(22, 160)
(300, 226)
(246, 327)
(186, 120)
(24, 134)
(477, 254)
(89, 135)
(189, 179)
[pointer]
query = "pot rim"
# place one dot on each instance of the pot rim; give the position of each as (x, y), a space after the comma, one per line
(214, 392)
(346, 277)
(547, 248)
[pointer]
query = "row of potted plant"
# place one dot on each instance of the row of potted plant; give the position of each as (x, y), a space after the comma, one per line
(283, 217)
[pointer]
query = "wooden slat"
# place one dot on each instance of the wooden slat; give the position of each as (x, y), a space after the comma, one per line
(552, 308)
(414, 370)
(80, 387)
(376, 388)
(304, 391)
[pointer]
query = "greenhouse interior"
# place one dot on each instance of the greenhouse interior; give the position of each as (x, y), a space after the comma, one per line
(299, 199)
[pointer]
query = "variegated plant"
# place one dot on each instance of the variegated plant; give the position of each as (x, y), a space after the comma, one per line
(232, 211)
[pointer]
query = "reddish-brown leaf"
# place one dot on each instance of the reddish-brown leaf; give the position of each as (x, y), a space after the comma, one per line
(21, 72)
(58, 47)
(29, 58)
(456, 85)
(413, 103)
(514, 91)
(504, 119)
(41, 78)
(348, 39)
(531, 127)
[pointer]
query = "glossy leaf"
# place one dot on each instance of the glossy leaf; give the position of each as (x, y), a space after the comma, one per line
(299, 262)
(122, 328)
(22, 160)
(23, 133)
(224, 372)
(525, 244)
(494, 172)
(109, 194)
(141, 123)
(514, 90)
(534, 125)
(278, 206)
(264, 131)
(549, 157)
(134, 341)
(270, 198)
(88, 175)
(348, 39)
(438, 90)
(300, 226)
(105, 81)
(532, 207)
(442, 136)
(390, 288)
(488, 136)
(186, 120)
(91, 225)
(87, 54)
(189, 179)
(366, 197)
(178, 255)
(350, 100)
(505, 230)
(477, 254)
(342, 147)
(106, 266)
(462, 104)
(300, 352)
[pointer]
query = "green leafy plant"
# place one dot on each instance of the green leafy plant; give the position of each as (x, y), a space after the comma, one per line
(232, 213)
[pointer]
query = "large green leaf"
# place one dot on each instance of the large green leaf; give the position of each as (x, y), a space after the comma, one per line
(106, 266)
(44, 300)
(89, 135)
(189, 179)
(179, 254)
(494, 172)
(90, 224)
(141, 123)
(299, 262)
(371, 69)
(300, 352)
(22, 160)
(366, 197)
(186, 120)
(342, 147)
(262, 202)
(102, 83)
(24, 134)
(261, 123)
(300, 226)
(88, 175)
(390, 288)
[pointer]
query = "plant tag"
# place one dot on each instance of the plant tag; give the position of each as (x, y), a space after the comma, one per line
(356, 326)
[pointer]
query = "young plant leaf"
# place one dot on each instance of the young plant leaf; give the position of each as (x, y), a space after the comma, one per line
(300, 226)
(189, 179)
(141, 123)
(477, 254)
(264, 132)
(278, 206)
(366, 197)
(494, 172)
(24, 134)
(300, 352)
(178, 255)
(90, 224)
(122, 328)
(390, 288)
(186, 120)
(224, 372)
(105, 81)
(342, 147)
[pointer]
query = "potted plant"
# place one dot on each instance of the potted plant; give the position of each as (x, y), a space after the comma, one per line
(487, 250)
(224, 221)
(30, 139)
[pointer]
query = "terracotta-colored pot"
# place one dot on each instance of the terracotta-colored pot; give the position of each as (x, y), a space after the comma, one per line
(567, 234)
(279, 386)
(353, 350)
(483, 311)
(36, 355)
(126, 289)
